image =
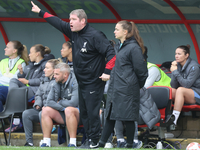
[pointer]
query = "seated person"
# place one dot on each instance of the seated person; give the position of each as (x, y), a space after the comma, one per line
(66, 53)
(32, 115)
(62, 105)
(185, 80)
(31, 75)
(156, 77)
(165, 66)
(17, 54)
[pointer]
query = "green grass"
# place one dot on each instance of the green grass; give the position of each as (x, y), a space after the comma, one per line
(52, 148)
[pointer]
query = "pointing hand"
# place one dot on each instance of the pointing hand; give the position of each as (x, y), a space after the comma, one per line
(35, 8)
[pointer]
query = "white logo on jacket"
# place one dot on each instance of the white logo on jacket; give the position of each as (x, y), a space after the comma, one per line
(92, 92)
(69, 93)
(84, 47)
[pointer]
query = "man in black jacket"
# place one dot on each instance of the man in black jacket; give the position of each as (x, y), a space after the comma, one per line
(93, 59)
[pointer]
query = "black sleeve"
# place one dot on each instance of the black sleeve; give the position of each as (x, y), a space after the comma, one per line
(59, 24)
(139, 65)
(104, 47)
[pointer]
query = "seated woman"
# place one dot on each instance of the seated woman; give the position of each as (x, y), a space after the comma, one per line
(32, 115)
(31, 75)
(185, 80)
(66, 53)
(17, 54)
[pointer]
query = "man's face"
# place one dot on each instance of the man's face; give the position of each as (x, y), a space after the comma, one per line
(58, 75)
(75, 23)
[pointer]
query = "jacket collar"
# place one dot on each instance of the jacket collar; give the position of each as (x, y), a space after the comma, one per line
(84, 29)
(127, 41)
(46, 79)
(35, 64)
(68, 80)
(185, 65)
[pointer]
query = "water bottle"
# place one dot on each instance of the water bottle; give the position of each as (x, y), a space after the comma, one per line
(159, 145)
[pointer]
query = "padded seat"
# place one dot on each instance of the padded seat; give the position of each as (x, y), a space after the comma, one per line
(190, 107)
(16, 103)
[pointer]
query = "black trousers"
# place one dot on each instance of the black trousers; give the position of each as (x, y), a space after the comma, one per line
(109, 126)
(89, 105)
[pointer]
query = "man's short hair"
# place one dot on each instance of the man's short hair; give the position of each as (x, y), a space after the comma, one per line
(80, 14)
(63, 67)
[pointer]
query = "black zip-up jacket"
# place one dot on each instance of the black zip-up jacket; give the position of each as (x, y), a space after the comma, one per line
(92, 52)
(35, 73)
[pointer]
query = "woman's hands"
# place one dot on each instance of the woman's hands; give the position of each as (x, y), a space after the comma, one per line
(173, 66)
(23, 80)
(20, 68)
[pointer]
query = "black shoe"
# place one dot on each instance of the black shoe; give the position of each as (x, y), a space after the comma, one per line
(94, 145)
(85, 145)
(170, 118)
(27, 144)
(101, 144)
(121, 144)
(129, 145)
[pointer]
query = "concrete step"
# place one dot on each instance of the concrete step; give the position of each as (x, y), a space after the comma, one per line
(18, 139)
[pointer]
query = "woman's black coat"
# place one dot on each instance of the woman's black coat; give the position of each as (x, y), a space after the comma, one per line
(127, 77)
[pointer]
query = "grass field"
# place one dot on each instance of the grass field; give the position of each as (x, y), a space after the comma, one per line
(53, 148)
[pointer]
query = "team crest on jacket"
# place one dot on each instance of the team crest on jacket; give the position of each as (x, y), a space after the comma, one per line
(84, 48)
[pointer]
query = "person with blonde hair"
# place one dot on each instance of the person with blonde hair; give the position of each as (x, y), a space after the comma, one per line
(127, 78)
(61, 105)
(31, 75)
(17, 55)
(33, 115)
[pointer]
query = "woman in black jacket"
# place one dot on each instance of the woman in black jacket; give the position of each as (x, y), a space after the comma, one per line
(127, 77)
(32, 74)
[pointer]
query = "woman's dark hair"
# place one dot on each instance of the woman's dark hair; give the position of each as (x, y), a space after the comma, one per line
(112, 42)
(132, 31)
(145, 53)
(185, 49)
(69, 44)
(21, 50)
(42, 49)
